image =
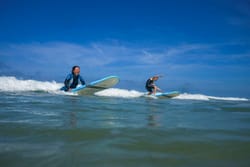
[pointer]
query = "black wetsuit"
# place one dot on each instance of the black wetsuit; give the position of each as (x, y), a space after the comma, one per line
(150, 85)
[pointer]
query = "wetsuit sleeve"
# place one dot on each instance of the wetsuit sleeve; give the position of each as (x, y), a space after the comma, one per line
(67, 82)
(82, 80)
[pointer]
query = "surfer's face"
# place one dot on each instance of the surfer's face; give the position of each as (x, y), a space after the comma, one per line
(76, 71)
(155, 78)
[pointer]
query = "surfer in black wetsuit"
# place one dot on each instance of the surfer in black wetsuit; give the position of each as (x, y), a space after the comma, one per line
(73, 79)
(150, 86)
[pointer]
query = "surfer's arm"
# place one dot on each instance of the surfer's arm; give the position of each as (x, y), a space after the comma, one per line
(82, 80)
(67, 82)
(158, 89)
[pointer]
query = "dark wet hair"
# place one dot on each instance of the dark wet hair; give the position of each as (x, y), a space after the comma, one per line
(73, 68)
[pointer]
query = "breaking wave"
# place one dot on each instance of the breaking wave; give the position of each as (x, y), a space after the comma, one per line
(12, 84)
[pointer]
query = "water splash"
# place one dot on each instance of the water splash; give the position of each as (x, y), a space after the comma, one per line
(123, 93)
(186, 96)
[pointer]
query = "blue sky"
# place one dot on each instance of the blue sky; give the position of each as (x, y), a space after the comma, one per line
(199, 46)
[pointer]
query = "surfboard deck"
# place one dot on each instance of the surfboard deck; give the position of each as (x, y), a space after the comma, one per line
(96, 86)
(167, 94)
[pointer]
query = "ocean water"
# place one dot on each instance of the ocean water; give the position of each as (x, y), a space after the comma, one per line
(42, 126)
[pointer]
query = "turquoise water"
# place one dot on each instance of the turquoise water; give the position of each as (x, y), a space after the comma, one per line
(39, 128)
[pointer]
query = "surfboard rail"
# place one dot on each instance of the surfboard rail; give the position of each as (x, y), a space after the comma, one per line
(98, 85)
(170, 94)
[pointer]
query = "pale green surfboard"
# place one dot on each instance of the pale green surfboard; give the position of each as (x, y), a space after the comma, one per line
(96, 86)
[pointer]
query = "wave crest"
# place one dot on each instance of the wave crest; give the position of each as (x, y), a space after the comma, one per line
(12, 84)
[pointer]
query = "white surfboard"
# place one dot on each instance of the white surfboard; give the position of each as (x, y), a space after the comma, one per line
(167, 94)
(96, 86)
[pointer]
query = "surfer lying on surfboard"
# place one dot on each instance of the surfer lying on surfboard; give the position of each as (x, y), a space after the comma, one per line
(150, 86)
(73, 79)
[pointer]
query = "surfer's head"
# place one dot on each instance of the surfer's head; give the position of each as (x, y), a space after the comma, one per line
(155, 78)
(76, 70)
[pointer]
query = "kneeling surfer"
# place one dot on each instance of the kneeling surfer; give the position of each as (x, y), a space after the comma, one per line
(73, 79)
(150, 86)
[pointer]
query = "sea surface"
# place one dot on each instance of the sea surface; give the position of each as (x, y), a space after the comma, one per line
(42, 126)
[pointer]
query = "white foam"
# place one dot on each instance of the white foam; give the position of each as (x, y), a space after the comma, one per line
(123, 93)
(228, 98)
(12, 84)
(187, 96)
